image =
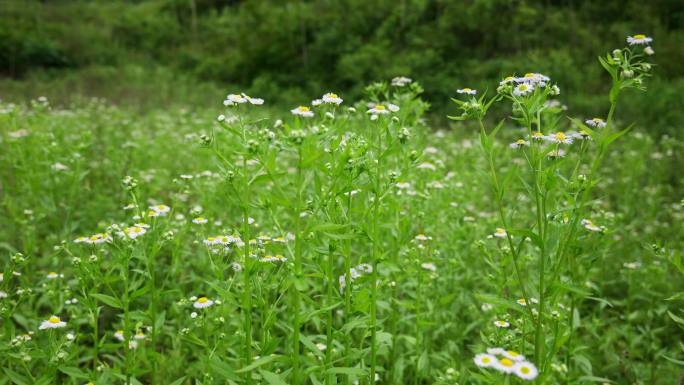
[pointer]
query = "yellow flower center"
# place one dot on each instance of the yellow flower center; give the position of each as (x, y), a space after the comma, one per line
(500, 231)
(509, 78)
(561, 136)
(224, 239)
(597, 120)
(506, 362)
(303, 109)
(513, 354)
(379, 107)
(199, 219)
(639, 36)
(203, 300)
(467, 89)
(332, 95)
(54, 320)
(486, 360)
(211, 239)
(94, 238)
(520, 141)
(525, 370)
(530, 75)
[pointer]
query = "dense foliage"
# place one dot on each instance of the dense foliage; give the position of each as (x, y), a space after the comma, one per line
(156, 52)
(344, 241)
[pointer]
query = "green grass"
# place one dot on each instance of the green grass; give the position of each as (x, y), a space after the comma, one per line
(370, 246)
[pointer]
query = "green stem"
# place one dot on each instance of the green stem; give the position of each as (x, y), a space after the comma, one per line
(296, 370)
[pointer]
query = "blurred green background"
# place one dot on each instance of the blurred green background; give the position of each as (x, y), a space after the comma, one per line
(158, 53)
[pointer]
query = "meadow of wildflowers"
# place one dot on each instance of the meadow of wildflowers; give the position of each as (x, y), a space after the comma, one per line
(343, 242)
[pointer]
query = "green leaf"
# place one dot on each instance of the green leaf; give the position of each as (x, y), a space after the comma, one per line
(272, 378)
(261, 361)
(109, 300)
(178, 381)
(16, 377)
(73, 372)
(348, 371)
(675, 318)
(222, 369)
(594, 379)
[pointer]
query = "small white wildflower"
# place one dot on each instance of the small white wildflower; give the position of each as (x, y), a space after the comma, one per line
(302, 111)
(202, 302)
(639, 39)
(53, 322)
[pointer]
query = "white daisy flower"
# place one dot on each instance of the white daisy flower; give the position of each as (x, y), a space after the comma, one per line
(649, 51)
(507, 80)
(500, 233)
(365, 267)
(200, 221)
(233, 99)
(523, 89)
(255, 101)
(501, 324)
(639, 39)
(381, 109)
(403, 185)
(302, 111)
(161, 210)
(595, 122)
(3, 294)
(582, 135)
(119, 335)
(485, 360)
(97, 239)
(139, 335)
(129, 206)
(538, 136)
(467, 91)
(401, 81)
(496, 351)
(512, 355)
(52, 323)
(560, 138)
(518, 144)
(429, 266)
(133, 232)
(521, 302)
(557, 153)
(422, 238)
(321, 346)
(505, 365)
(589, 225)
(202, 302)
(525, 370)
(534, 79)
(331, 98)
(52, 275)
